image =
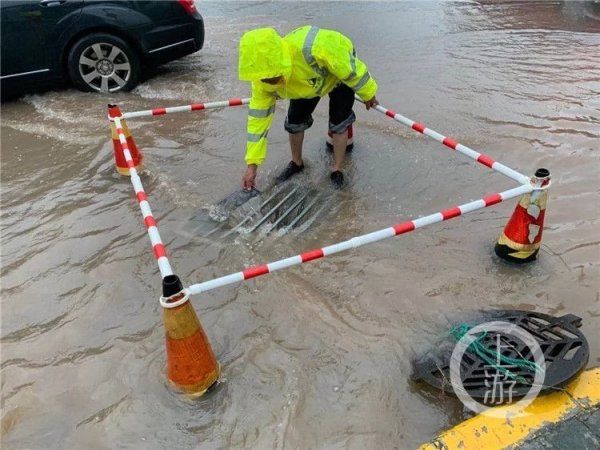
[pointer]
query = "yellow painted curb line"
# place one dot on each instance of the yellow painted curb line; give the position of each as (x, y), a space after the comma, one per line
(484, 432)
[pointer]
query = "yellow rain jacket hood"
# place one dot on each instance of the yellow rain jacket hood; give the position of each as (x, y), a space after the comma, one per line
(263, 54)
(312, 62)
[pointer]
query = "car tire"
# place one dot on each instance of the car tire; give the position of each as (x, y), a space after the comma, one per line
(102, 62)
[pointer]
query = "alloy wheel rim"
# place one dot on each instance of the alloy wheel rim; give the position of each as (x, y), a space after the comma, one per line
(104, 67)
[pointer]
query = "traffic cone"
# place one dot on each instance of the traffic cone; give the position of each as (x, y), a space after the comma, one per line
(122, 168)
(191, 364)
(520, 242)
(349, 146)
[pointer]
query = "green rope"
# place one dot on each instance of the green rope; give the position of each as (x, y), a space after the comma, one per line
(490, 356)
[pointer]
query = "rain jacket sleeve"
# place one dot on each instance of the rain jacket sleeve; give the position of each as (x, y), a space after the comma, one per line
(340, 59)
(260, 116)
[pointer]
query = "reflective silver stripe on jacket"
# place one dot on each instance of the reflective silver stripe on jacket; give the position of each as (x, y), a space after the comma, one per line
(260, 113)
(255, 137)
(309, 40)
(365, 78)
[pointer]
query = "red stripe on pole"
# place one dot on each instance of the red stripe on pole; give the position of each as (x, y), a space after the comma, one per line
(492, 199)
(114, 111)
(149, 221)
(255, 271)
(450, 213)
(141, 196)
(120, 131)
(404, 227)
(486, 160)
(313, 254)
(159, 250)
(418, 126)
(449, 142)
(159, 111)
(390, 113)
(130, 164)
(235, 102)
(198, 106)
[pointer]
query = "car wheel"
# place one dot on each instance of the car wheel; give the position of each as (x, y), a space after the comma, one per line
(103, 63)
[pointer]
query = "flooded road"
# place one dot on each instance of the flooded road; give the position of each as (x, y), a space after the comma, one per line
(317, 356)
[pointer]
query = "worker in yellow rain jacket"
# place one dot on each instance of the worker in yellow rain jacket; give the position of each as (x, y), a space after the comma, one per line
(303, 66)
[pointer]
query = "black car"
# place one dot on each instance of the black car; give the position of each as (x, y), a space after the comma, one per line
(99, 45)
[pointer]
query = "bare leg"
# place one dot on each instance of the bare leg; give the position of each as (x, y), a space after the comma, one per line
(296, 140)
(340, 141)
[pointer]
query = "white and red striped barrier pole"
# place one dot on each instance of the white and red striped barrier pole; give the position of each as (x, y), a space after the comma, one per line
(187, 108)
(451, 143)
(419, 127)
(398, 229)
(157, 245)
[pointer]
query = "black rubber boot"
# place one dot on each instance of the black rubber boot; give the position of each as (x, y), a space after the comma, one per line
(337, 179)
(291, 170)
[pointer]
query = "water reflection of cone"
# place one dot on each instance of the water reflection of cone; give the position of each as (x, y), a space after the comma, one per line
(121, 163)
(349, 145)
(191, 364)
(520, 242)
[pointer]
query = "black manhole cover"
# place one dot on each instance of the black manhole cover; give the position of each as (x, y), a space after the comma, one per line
(565, 349)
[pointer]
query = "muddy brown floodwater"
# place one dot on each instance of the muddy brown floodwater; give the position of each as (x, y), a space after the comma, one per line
(318, 356)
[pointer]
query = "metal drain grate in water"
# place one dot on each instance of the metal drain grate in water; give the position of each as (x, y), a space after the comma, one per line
(566, 352)
(285, 207)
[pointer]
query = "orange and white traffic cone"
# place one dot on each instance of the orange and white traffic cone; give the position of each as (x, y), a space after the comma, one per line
(522, 237)
(349, 145)
(114, 111)
(191, 364)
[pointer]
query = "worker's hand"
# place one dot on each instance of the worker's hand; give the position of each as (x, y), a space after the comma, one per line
(371, 103)
(248, 182)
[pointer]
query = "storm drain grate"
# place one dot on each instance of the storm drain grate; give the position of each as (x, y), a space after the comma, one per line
(283, 208)
(565, 350)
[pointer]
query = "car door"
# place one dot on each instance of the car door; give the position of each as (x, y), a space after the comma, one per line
(28, 32)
